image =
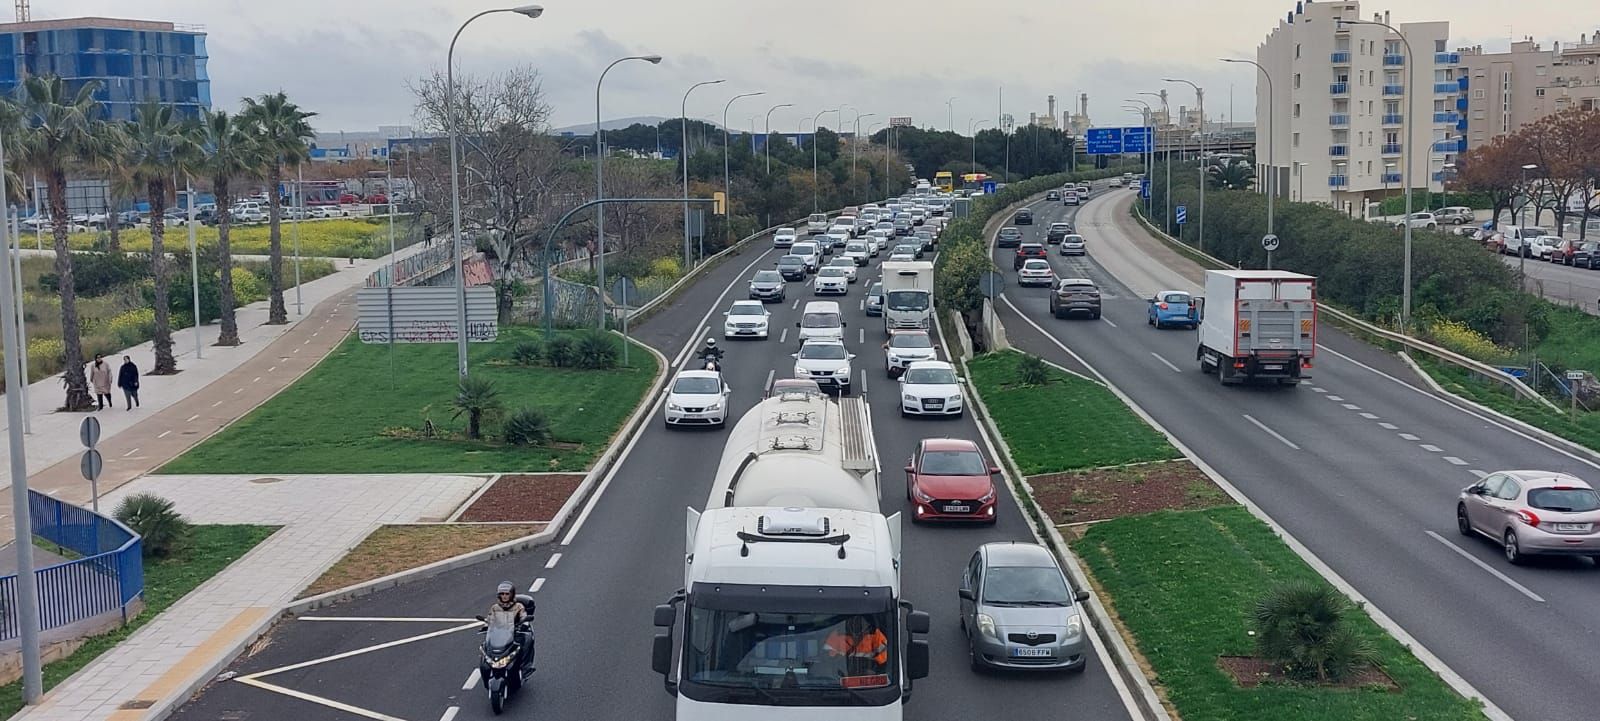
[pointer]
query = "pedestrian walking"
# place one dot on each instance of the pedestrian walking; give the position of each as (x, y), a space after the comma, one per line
(100, 378)
(128, 381)
(427, 235)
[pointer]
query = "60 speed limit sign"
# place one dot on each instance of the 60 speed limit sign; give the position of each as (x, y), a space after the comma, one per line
(1269, 242)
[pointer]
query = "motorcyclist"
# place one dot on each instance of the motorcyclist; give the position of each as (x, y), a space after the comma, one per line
(711, 352)
(506, 604)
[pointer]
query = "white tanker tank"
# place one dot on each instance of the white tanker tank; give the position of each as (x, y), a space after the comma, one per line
(800, 449)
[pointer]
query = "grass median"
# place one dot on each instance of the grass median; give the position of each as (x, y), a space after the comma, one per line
(359, 411)
(1585, 430)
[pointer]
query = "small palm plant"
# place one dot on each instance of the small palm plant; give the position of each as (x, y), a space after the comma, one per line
(1031, 371)
(476, 397)
(160, 526)
(527, 427)
(1301, 626)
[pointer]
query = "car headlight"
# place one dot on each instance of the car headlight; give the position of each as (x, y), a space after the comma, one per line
(953, 399)
(908, 397)
(986, 626)
(674, 407)
(925, 498)
(1074, 624)
(987, 495)
(714, 407)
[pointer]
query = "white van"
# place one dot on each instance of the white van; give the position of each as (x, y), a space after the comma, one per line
(817, 223)
(821, 319)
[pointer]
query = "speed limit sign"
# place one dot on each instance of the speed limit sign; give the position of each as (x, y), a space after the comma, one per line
(1269, 242)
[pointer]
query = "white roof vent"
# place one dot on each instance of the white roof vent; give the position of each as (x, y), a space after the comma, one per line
(793, 522)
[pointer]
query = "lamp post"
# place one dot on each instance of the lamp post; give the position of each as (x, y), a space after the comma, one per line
(727, 178)
(1200, 101)
(951, 106)
(529, 11)
(855, 143)
(1149, 154)
(600, 181)
(1386, 168)
(814, 128)
(683, 158)
(1522, 242)
(1406, 178)
(1272, 177)
(972, 130)
(768, 144)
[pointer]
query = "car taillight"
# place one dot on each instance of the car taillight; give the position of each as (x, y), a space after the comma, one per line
(1528, 517)
(1163, 306)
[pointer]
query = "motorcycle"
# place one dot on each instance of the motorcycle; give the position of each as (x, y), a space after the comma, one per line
(711, 362)
(505, 659)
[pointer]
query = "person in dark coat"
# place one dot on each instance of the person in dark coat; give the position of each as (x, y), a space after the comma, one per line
(128, 381)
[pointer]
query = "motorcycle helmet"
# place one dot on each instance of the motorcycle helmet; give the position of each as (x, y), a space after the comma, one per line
(505, 589)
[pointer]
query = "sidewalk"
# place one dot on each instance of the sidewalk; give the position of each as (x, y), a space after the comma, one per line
(322, 517)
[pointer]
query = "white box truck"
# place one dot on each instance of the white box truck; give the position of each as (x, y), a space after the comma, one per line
(789, 563)
(907, 295)
(1258, 325)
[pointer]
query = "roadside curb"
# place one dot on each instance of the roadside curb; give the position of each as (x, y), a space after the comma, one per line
(1521, 425)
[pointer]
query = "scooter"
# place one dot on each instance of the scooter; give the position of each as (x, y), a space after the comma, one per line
(505, 659)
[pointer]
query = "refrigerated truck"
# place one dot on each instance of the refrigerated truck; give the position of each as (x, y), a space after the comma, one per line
(1258, 325)
(907, 295)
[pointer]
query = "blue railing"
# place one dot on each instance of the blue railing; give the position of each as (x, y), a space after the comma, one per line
(1390, 178)
(1461, 104)
(1394, 60)
(1449, 88)
(1338, 151)
(1450, 145)
(1338, 181)
(1338, 88)
(1339, 119)
(1438, 176)
(1393, 119)
(1390, 149)
(1341, 57)
(107, 578)
(1447, 58)
(1446, 117)
(1394, 90)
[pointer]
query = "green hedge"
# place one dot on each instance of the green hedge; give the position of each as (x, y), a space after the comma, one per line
(1423, 200)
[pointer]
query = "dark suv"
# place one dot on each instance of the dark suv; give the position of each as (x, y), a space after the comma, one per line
(1075, 295)
(1587, 255)
(1026, 251)
(1056, 232)
(792, 267)
(1052, 195)
(1008, 237)
(1023, 217)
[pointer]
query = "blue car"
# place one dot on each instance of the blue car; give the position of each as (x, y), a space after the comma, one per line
(1173, 307)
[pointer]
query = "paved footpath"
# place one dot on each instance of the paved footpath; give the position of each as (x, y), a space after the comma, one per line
(322, 517)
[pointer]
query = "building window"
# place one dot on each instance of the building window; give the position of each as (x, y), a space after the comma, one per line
(1477, 115)
(1591, 103)
(1538, 92)
(1477, 94)
(1296, 140)
(1297, 110)
(1297, 81)
(1539, 70)
(1297, 53)
(1438, 45)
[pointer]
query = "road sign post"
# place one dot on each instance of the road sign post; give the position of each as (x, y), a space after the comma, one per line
(1269, 242)
(92, 463)
(624, 292)
(1573, 378)
(1181, 215)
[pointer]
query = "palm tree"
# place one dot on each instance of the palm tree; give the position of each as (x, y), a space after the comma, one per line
(476, 398)
(230, 152)
(281, 131)
(58, 131)
(1234, 175)
(121, 180)
(157, 147)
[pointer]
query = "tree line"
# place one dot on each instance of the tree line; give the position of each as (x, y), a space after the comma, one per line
(1564, 147)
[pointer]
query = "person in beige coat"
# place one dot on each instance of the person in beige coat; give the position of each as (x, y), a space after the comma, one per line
(100, 378)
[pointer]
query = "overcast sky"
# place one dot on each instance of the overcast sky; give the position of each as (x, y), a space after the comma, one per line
(349, 60)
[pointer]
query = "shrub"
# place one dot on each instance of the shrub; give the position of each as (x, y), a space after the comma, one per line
(132, 327)
(596, 351)
(476, 398)
(525, 353)
(527, 427)
(1301, 625)
(249, 288)
(96, 274)
(666, 267)
(1031, 371)
(1458, 337)
(161, 528)
(561, 352)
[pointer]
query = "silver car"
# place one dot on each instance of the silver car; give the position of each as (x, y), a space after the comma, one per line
(1018, 611)
(1532, 513)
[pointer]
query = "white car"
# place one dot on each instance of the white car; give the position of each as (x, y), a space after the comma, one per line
(816, 223)
(859, 252)
(784, 237)
(846, 262)
(832, 279)
(1036, 271)
(930, 388)
(837, 238)
(810, 252)
(1543, 246)
(697, 398)
(1419, 220)
(825, 361)
(1073, 245)
(879, 239)
(905, 347)
(746, 319)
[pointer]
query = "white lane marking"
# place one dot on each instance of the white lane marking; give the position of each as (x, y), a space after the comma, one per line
(784, 336)
(1165, 362)
(1108, 321)
(1491, 569)
(450, 713)
(308, 342)
(862, 305)
(538, 583)
(1271, 432)
(131, 452)
(1410, 437)
(1319, 389)
(1431, 448)
(863, 381)
(554, 559)
(164, 434)
(1389, 426)
(297, 350)
(238, 390)
(1369, 416)
(256, 380)
(1478, 473)
(796, 304)
(471, 682)
(1351, 406)
(271, 369)
(1335, 399)
(1455, 461)
(861, 336)
(214, 405)
(197, 415)
(357, 652)
(767, 385)
(387, 619)
(330, 703)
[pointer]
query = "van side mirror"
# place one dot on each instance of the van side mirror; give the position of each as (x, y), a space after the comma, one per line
(966, 594)
(844, 324)
(917, 659)
(665, 615)
(918, 622)
(661, 658)
(797, 324)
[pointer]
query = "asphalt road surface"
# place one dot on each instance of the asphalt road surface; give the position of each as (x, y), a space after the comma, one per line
(1360, 463)
(623, 555)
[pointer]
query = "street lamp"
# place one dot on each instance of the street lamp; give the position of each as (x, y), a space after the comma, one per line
(1168, 192)
(683, 157)
(767, 144)
(1448, 169)
(1150, 150)
(1522, 243)
(1272, 177)
(1386, 168)
(1200, 101)
(855, 143)
(951, 106)
(727, 179)
(972, 129)
(600, 182)
(529, 11)
(814, 128)
(1406, 178)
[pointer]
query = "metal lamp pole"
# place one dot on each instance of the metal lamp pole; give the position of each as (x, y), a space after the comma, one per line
(768, 144)
(1405, 172)
(1522, 247)
(951, 106)
(855, 143)
(727, 179)
(1272, 177)
(972, 130)
(194, 265)
(529, 11)
(683, 159)
(1150, 151)
(815, 198)
(1200, 100)
(600, 181)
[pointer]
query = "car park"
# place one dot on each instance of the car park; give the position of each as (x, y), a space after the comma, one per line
(831, 280)
(1019, 612)
(873, 305)
(810, 252)
(768, 285)
(1173, 307)
(1056, 232)
(1455, 215)
(746, 319)
(905, 347)
(791, 267)
(849, 265)
(784, 237)
(1073, 244)
(826, 361)
(1008, 237)
(931, 388)
(1035, 271)
(1023, 216)
(858, 252)
(1075, 295)
(820, 319)
(697, 398)
(1026, 251)
(948, 479)
(1532, 513)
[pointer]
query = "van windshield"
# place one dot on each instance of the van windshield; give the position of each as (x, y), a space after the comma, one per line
(907, 300)
(820, 320)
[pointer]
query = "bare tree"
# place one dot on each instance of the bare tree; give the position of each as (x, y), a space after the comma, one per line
(636, 224)
(514, 180)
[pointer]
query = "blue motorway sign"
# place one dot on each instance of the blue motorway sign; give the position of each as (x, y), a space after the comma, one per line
(1183, 214)
(989, 187)
(1103, 141)
(1136, 140)
(1144, 187)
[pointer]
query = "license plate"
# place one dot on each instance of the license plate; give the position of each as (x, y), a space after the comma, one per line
(746, 331)
(958, 509)
(1578, 527)
(1272, 367)
(1030, 652)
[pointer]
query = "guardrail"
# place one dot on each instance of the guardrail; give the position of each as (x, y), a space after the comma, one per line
(1416, 344)
(108, 577)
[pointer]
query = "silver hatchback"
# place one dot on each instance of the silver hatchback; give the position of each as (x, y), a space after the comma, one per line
(1532, 513)
(1018, 611)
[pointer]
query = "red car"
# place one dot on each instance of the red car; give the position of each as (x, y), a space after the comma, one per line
(1026, 251)
(948, 479)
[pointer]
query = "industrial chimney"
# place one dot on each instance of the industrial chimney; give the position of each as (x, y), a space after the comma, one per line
(1052, 101)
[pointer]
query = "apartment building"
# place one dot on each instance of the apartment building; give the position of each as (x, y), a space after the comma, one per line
(1338, 103)
(131, 60)
(1500, 93)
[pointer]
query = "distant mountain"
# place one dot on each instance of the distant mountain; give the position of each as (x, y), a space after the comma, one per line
(613, 124)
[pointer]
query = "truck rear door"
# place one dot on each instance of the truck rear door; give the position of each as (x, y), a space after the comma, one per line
(1277, 317)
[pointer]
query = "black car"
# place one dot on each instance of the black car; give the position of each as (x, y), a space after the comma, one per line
(1022, 217)
(791, 267)
(1008, 237)
(1027, 251)
(1586, 255)
(1056, 232)
(768, 285)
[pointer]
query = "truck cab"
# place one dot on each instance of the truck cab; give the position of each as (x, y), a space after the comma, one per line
(907, 295)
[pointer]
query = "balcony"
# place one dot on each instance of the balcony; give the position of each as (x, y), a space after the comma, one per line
(1461, 124)
(1390, 178)
(1339, 119)
(1449, 88)
(1446, 117)
(1338, 181)
(1394, 59)
(1461, 104)
(1338, 151)
(1447, 58)
(1339, 88)
(1390, 149)
(1339, 57)
(1450, 145)
(1394, 90)
(1438, 176)
(1393, 119)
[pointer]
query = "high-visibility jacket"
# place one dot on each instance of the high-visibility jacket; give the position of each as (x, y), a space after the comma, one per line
(874, 645)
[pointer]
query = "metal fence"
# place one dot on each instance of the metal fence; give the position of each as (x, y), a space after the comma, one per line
(418, 265)
(107, 578)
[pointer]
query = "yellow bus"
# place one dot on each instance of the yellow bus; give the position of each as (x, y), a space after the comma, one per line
(944, 180)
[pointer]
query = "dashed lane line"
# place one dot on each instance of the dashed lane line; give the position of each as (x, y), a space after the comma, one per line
(197, 415)
(1410, 437)
(471, 682)
(554, 559)
(1108, 321)
(164, 434)
(1478, 473)
(784, 336)
(1166, 362)
(1335, 399)
(1455, 461)
(1351, 406)
(1491, 569)
(450, 713)
(537, 584)
(1369, 416)
(1270, 432)
(1431, 448)
(1389, 426)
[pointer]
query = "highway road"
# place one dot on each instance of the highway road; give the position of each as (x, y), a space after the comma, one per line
(1361, 464)
(595, 589)
(1562, 284)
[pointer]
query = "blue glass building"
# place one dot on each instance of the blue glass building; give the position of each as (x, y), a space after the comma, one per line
(133, 60)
